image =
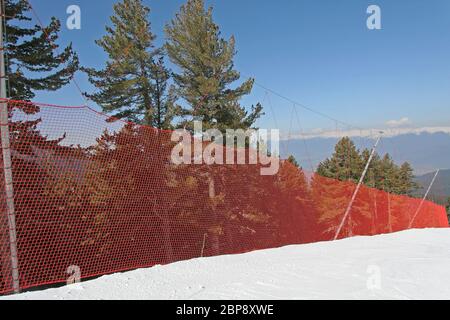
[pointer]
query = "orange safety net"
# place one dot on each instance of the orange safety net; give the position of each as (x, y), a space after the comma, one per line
(100, 195)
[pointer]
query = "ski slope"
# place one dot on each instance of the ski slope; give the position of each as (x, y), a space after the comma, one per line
(414, 264)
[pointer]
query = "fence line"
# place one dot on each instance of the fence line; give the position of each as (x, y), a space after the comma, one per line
(103, 196)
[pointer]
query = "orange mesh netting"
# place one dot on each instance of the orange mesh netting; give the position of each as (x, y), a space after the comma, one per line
(104, 196)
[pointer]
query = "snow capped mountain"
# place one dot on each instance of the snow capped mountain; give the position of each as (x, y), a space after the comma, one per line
(367, 133)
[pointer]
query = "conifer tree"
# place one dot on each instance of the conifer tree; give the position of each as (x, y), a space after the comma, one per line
(406, 184)
(374, 175)
(388, 170)
(134, 83)
(345, 163)
(206, 70)
(293, 161)
(33, 63)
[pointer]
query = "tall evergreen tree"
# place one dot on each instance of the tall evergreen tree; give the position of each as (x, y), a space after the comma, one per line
(388, 170)
(374, 175)
(206, 70)
(32, 62)
(405, 183)
(134, 83)
(344, 164)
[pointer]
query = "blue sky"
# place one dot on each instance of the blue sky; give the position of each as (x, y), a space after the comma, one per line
(317, 52)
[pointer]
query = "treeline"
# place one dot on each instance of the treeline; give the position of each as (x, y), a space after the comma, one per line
(138, 86)
(135, 83)
(347, 164)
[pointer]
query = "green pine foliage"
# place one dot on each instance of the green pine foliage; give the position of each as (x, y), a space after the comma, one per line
(388, 175)
(293, 161)
(134, 84)
(33, 63)
(347, 164)
(406, 183)
(163, 96)
(206, 71)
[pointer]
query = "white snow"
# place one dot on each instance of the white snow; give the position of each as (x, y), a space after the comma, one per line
(414, 264)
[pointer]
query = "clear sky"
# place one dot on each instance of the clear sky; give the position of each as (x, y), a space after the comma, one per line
(317, 52)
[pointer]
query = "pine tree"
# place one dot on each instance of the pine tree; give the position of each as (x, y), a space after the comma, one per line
(134, 83)
(293, 161)
(388, 171)
(163, 96)
(206, 70)
(406, 184)
(345, 163)
(374, 174)
(32, 63)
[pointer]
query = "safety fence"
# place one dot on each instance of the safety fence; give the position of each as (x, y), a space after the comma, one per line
(93, 195)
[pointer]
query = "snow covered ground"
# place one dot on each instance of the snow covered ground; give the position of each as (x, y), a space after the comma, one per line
(413, 264)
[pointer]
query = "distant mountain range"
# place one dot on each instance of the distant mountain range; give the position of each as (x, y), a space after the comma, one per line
(440, 191)
(425, 151)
